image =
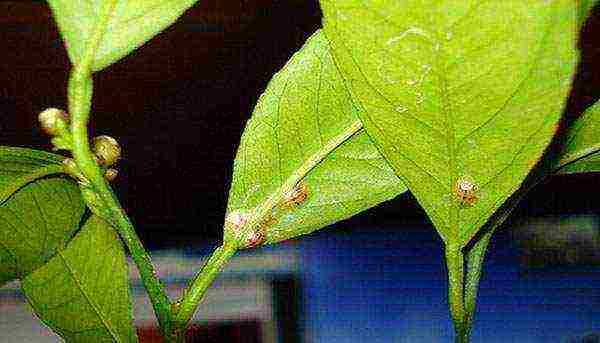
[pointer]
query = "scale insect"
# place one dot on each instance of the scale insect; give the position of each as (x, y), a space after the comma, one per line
(296, 196)
(466, 192)
(256, 238)
(259, 235)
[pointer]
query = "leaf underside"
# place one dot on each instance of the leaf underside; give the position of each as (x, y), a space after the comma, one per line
(581, 153)
(457, 90)
(132, 23)
(294, 135)
(17, 162)
(37, 218)
(83, 292)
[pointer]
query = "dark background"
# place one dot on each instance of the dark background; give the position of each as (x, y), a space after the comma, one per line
(179, 105)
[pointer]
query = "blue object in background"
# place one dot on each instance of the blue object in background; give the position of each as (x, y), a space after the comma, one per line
(375, 285)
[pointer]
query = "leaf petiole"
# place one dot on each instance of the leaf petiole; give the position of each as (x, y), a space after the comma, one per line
(187, 305)
(456, 281)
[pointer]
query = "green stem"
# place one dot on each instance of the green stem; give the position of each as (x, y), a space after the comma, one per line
(186, 307)
(455, 264)
(475, 258)
(105, 204)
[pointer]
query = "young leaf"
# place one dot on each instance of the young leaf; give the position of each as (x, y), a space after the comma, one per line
(83, 293)
(132, 23)
(39, 210)
(304, 161)
(462, 97)
(581, 152)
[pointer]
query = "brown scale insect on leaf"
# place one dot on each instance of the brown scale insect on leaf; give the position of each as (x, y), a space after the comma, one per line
(259, 236)
(465, 191)
(256, 238)
(296, 196)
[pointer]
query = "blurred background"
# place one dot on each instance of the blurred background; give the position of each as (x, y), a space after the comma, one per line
(178, 106)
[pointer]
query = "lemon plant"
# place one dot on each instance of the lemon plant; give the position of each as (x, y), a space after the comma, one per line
(461, 103)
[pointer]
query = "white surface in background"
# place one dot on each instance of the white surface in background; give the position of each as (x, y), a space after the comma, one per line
(242, 292)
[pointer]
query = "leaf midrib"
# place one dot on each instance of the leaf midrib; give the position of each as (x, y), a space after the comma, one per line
(451, 134)
(539, 49)
(577, 156)
(455, 209)
(262, 211)
(92, 304)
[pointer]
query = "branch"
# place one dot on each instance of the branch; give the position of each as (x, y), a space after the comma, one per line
(96, 191)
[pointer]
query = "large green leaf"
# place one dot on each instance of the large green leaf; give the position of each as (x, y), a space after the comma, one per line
(305, 132)
(83, 293)
(581, 152)
(457, 90)
(133, 22)
(39, 210)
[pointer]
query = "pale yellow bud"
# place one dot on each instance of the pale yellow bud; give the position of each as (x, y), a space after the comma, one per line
(54, 122)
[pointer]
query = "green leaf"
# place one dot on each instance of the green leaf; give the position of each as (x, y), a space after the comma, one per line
(132, 23)
(16, 164)
(39, 210)
(585, 7)
(456, 91)
(83, 292)
(581, 152)
(304, 135)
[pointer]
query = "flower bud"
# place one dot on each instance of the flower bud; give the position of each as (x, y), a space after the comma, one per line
(54, 122)
(106, 149)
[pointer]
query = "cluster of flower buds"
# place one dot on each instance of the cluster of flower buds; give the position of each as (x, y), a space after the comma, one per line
(55, 122)
(107, 151)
